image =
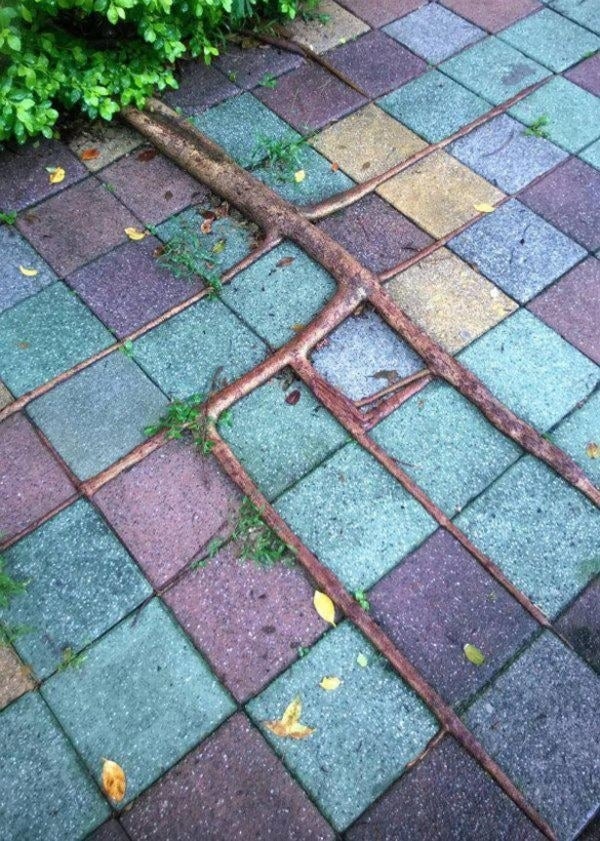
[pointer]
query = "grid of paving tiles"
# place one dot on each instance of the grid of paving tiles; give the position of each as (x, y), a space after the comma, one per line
(140, 635)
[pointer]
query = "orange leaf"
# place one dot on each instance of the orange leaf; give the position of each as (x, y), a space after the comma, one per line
(288, 726)
(114, 782)
(335, 166)
(89, 154)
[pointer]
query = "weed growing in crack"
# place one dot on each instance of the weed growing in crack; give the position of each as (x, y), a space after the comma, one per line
(71, 660)
(186, 257)
(361, 598)
(9, 586)
(188, 417)
(283, 156)
(256, 541)
(8, 217)
(10, 633)
(538, 127)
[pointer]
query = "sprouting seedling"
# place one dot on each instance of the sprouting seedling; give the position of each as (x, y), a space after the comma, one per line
(9, 586)
(189, 417)
(283, 156)
(8, 217)
(256, 541)
(268, 81)
(538, 127)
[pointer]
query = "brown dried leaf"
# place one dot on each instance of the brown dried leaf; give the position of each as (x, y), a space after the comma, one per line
(288, 726)
(89, 154)
(146, 155)
(293, 397)
(206, 226)
(285, 261)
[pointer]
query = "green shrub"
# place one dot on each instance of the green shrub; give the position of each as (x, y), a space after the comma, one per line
(98, 55)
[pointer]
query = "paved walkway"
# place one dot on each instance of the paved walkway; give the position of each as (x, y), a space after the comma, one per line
(137, 633)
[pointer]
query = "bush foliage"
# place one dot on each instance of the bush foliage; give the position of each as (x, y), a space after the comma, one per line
(98, 55)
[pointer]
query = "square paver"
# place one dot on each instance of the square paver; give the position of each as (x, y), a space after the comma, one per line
(573, 114)
(493, 14)
(587, 74)
(24, 179)
(110, 830)
(366, 731)
(32, 482)
(383, 11)
(279, 293)
(551, 39)
(446, 445)
(200, 86)
(247, 620)
(572, 307)
(450, 301)
(280, 432)
(248, 66)
(363, 355)
(81, 583)
(231, 786)
(98, 415)
(109, 140)
(341, 26)
(355, 517)
(576, 432)
(540, 531)
(321, 178)
(17, 254)
(308, 98)
(518, 250)
(15, 677)
(505, 155)
(76, 226)
(375, 233)
(367, 143)
(198, 349)
(128, 287)
(435, 33)
(46, 335)
(580, 625)
(441, 799)
(494, 70)
(143, 697)
(167, 507)
(531, 369)
(434, 105)
(568, 197)
(376, 63)
(584, 12)
(538, 721)
(34, 748)
(591, 155)
(439, 193)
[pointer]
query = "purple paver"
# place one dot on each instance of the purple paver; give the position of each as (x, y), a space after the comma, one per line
(24, 179)
(310, 97)
(572, 307)
(167, 507)
(109, 831)
(249, 621)
(382, 11)
(200, 86)
(569, 198)
(128, 287)
(377, 234)
(580, 624)
(493, 15)
(76, 226)
(587, 74)
(376, 63)
(32, 482)
(246, 67)
(233, 787)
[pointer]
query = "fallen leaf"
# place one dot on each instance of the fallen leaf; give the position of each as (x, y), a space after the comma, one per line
(146, 155)
(335, 166)
(285, 261)
(484, 207)
(135, 234)
(206, 226)
(329, 684)
(299, 176)
(168, 195)
(218, 246)
(28, 272)
(114, 782)
(362, 660)
(593, 450)
(297, 328)
(288, 726)
(390, 376)
(293, 397)
(57, 174)
(89, 154)
(324, 607)
(474, 655)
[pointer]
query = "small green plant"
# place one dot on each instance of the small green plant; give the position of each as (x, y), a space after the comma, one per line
(186, 417)
(283, 156)
(268, 81)
(361, 598)
(109, 187)
(186, 256)
(71, 660)
(232, 75)
(308, 15)
(9, 586)
(127, 348)
(256, 541)
(303, 650)
(538, 127)
(8, 217)
(214, 546)
(10, 633)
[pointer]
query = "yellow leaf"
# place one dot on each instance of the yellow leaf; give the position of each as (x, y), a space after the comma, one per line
(324, 607)
(299, 176)
(114, 782)
(57, 174)
(135, 233)
(288, 726)
(593, 450)
(28, 272)
(362, 661)
(330, 683)
(484, 207)
(474, 655)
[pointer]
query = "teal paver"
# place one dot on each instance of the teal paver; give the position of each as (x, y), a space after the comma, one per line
(45, 792)
(592, 154)
(278, 292)
(531, 369)
(355, 517)
(573, 114)
(81, 582)
(585, 12)
(581, 428)
(320, 180)
(434, 106)
(539, 720)
(539, 530)
(366, 731)
(280, 432)
(45, 335)
(99, 415)
(446, 445)
(16, 253)
(551, 39)
(494, 70)
(143, 697)
(199, 350)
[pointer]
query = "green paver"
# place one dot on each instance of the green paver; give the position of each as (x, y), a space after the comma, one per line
(531, 369)
(198, 349)
(278, 440)
(551, 39)
(573, 114)
(446, 445)
(494, 70)
(577, 431)
(81, 582)
(99, 414)
(274, 299)
(46, 335)
(320, 180)
(355, 517)
(539, 530)
(143, 698)
(366, 731)
(592, 154)
(585, 12)
(45, 792)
